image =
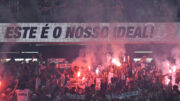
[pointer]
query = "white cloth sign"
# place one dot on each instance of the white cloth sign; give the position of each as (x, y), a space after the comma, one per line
(90, 32)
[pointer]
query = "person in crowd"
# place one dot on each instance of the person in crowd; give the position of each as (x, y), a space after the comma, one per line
(47, 81)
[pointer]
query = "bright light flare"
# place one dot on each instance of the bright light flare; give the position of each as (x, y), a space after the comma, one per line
(173, 68)
(0, 83)
(83, 78)
(116, 62)
(168, 64)
(97, 71)
(167, 80)
(124, 59)
(170, 71)
(78, 74)
(89, 67)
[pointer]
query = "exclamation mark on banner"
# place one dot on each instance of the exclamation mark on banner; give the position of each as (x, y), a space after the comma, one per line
(152, 31)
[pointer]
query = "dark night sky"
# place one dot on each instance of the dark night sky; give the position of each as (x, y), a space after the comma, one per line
(91, 11)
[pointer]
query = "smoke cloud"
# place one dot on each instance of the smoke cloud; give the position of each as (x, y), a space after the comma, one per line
(116, 11)
(94, 55)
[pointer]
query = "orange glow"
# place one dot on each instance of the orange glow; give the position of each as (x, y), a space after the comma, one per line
(89, 67)
(116, 62)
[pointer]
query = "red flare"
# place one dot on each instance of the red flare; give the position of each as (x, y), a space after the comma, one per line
(116, 62)
(97, 71)
(79, 74)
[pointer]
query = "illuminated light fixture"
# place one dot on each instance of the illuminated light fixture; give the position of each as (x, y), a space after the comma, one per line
(20, 59)
(138, 52)
(19, 52)
(5, 60)
(9, 52)
(55, 44)
(30, 52)
(138, 59)
(26, 59)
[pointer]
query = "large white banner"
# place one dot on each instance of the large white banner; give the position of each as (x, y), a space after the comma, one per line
(90, 32)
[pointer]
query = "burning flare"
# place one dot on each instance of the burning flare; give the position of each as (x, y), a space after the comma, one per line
(170, 71)
(173, 68)
(83, 78)
(78, 74)
(89, 67)
(97, 71)
(167, 80)
(116, 62)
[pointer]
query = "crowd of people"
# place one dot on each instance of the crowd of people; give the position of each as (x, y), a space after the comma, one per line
(123, 81)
